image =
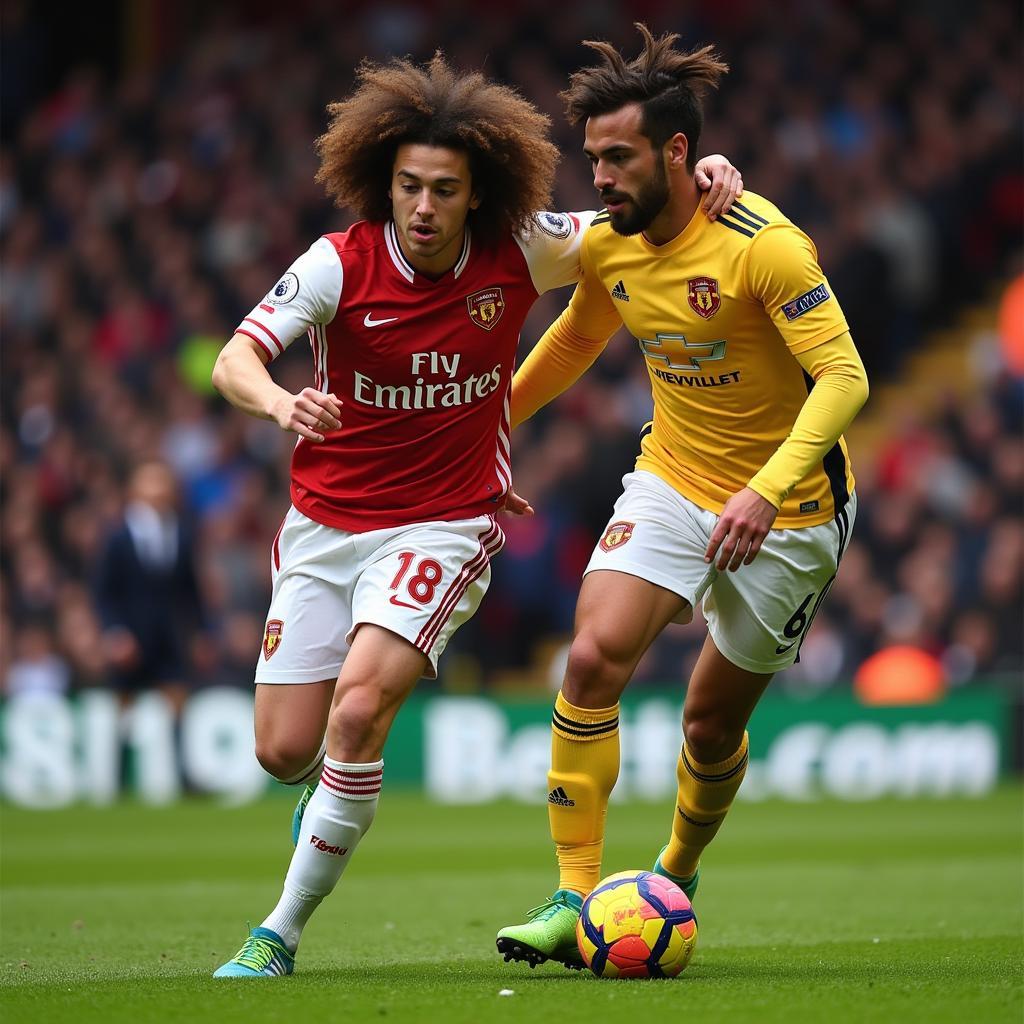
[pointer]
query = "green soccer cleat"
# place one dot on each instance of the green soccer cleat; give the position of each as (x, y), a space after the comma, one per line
(549, 934)
(263, 955)
(300, 810)
(688, 885)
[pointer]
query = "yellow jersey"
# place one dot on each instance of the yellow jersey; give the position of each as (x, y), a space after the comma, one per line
(719, 312)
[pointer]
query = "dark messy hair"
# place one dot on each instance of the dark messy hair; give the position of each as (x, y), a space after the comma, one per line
(666, 82)
(511, 158)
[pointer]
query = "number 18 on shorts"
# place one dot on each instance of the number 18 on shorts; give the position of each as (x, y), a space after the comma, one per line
(420, 581)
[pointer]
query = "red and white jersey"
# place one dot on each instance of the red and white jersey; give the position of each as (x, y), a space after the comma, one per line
(423, 368)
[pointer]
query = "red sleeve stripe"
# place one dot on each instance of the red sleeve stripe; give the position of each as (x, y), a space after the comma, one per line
(266, 330)
(266, 308)
(249, 334)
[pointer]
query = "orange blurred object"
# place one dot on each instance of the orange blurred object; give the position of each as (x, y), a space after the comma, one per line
(1011, 325)
(900, 675)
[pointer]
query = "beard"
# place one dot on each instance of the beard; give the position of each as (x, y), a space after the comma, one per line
(649, 201)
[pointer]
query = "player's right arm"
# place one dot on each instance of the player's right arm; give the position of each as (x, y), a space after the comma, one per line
(306, 296)
(241, 376)
(568, 347)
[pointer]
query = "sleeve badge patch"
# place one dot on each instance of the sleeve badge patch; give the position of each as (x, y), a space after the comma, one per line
(272, 637)
(704, 297)
(558, 225)
(806, 302)
(285, 290)
(616, 535)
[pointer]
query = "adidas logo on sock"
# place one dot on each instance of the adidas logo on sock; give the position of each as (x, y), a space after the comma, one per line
(619, 292)
(560, 797)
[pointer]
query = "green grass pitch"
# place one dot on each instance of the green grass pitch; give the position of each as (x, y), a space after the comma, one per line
(898, 911)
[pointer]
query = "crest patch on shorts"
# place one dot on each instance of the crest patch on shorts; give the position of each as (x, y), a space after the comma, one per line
(272, 637)
(616, 535)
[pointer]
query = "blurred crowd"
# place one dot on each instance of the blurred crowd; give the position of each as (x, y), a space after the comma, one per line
(147, 203)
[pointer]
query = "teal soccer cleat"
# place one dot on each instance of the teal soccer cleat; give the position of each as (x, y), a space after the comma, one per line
(263, 955)
(688, 885)
(300, 810)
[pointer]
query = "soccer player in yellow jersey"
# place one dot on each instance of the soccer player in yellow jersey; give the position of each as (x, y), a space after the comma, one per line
(742, 496)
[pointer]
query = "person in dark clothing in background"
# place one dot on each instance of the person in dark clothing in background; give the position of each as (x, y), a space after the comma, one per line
(147, 592)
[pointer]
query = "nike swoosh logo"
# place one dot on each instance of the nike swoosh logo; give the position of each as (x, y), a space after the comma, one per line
(782, 650)
(368, 321)
(403, 604)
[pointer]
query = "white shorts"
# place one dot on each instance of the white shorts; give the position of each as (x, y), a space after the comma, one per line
(421, 581)
(758, 615)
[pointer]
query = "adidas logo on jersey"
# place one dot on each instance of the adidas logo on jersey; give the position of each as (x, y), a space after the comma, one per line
(619, 292)
(560, 797)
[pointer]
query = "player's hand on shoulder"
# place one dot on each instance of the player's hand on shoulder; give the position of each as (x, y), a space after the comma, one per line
(722, 183)
(740, 531)
(310, 414)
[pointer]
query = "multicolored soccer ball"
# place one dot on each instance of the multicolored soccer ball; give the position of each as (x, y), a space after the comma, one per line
(636, 924)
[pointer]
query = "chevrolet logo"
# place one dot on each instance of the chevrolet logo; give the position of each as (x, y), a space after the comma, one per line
(679, 353)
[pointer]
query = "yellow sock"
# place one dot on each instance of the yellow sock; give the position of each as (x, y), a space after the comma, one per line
(706, 793)
(584, 767)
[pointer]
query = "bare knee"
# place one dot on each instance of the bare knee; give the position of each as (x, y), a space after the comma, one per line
(710, 738)
(595, 675)
(359, 722)
(285, 757)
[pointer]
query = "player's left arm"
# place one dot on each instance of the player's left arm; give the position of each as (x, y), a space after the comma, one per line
(840, 390)
(783, 274)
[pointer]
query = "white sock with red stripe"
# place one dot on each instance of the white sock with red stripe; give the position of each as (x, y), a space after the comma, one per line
(337, 817)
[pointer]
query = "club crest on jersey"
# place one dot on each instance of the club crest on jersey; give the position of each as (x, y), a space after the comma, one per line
(704, 296)
(616, 535)
(272, 637)
(486, 307)
(285, 290)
